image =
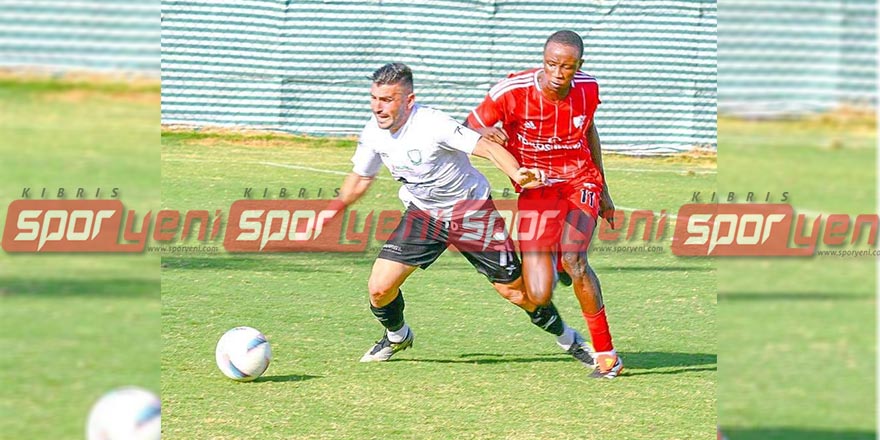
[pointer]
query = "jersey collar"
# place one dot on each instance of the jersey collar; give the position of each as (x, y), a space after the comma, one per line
(540, 91)
(406, 124)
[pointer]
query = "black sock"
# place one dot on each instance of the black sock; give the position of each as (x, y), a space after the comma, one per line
(391, 315)
(548, 319)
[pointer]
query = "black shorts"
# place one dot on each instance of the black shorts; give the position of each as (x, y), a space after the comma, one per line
(419, 239)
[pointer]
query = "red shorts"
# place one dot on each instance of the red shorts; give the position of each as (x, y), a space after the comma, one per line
(564, 213)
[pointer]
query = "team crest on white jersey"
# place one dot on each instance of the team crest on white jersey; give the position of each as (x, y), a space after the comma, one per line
(529, 125)
(415, 156)
(579, 121)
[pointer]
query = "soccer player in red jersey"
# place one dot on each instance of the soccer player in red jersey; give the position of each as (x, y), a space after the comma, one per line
(547, 123)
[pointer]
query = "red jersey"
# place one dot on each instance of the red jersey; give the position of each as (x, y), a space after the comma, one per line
(544, 134)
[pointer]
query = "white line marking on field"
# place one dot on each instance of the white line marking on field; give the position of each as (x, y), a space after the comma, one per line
(338, 173)
(671, 217)
(187, 159)
(649, 170)
(343, 173)
(633, 170)
(299, 167)
(809, 212)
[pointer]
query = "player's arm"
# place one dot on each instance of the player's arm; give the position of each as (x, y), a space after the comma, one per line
(606, 205)
(494, 134)
(353, 188)
(483, 119)
(504, 161)
(366, 165)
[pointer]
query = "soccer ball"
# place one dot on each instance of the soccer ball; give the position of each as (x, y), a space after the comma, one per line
(129, 413)
(243, 354)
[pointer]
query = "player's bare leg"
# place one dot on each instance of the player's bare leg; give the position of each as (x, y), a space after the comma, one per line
(386, 303)
(563, 276)
(585, 282)
(538, 273)
(515, 294)
(504, 270)
(385, 280)
(588, 291)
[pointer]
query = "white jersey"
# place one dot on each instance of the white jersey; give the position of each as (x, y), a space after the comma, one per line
(429, 155)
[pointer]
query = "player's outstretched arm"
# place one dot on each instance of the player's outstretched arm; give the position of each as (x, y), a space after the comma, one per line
(494, 134)
(353, 188)
(504, 161)
(606, 205)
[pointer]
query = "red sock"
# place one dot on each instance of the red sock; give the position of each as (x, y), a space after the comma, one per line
(599, 332)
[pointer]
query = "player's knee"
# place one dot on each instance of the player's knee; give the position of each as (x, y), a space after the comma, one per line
(541, 296)
(576, 265)
(380, 291)
(512, 293)
(505, 291)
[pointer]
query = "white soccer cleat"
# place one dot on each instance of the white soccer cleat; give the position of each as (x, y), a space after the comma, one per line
(384, 348)
(608, 365)
(581, 350)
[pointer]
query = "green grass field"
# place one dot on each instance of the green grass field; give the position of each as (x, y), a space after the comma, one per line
(75, 326)
(478, 369)
(797, 337)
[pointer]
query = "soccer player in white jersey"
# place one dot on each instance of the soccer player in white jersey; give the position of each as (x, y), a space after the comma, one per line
(427, 151)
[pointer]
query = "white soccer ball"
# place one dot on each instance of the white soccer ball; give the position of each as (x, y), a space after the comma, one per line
(129, 413)
(243, 354)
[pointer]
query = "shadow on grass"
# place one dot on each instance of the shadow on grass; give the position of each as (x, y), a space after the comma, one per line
(301, 262)
(636, 363)
(80, 287)
(630, 371)
(795, 296)
(488, 359)
(650, 360)
(600, 269)
(795, 434)
(287, 378)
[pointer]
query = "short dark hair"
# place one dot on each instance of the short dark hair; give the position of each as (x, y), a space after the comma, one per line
(394, 73)
(568, 38)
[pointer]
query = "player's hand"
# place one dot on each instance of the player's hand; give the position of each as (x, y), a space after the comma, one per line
(494, 134)
(327, 215)
(606, 207)
(530, 178)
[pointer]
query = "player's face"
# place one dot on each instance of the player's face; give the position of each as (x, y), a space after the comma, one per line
(561, 62)
(391, 104)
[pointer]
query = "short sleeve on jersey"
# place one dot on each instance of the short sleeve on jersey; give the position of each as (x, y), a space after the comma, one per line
(486, 114)
(452, 135)
(595, 95)
(366, 161)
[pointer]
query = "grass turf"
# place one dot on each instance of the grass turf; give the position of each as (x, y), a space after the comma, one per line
(75, 326)
(797, 336)
(478, 369)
